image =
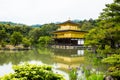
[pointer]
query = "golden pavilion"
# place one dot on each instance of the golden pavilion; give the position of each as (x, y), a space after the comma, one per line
(69, 34)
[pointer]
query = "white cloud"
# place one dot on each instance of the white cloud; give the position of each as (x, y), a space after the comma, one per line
(45, 11)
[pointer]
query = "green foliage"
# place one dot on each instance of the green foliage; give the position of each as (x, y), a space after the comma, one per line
(108, 51)
(105, 38)
(16, 57)
(110, 18)
(39, 34)
(73, 74)
(47, 29)
(92, 38)
(32, 72)
(26, 42)
(87, 25)
(45, 40)
(16, 38)
(34, 35)
(89, 75)
(107, 33)
(92, 75)
(96, 77)
(8, 29)
(114, 60)
(3, 35)
(25, 30)
(3, 44)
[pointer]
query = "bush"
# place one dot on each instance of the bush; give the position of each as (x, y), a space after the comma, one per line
(26, 42)
(96, 77)
(32, 72)
(3, 44)
(73, 74)
(45, 40)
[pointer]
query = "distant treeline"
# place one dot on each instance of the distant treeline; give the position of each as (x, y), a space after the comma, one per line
(15, 34)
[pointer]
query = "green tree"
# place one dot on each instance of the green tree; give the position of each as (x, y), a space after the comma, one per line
(16, 38)
(25, 30)
(8, 28)
(3, 37)
(105, 38)
(47, 29)
(34, 35)
(45, 40)
(114, 60)
(26, 42)
(32, 72)
(87, 25)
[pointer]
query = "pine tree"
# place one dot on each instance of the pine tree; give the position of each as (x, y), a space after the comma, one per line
(105, 39)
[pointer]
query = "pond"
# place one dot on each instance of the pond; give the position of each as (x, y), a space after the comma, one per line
(61, 59)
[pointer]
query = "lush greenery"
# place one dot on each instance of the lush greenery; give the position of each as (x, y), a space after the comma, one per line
(16, 34)
(86, 74)
(16, 57)
(73, 74)
(105, 38)
(32, 72)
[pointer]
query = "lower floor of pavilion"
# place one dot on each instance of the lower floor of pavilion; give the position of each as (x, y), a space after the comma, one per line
(69, 41)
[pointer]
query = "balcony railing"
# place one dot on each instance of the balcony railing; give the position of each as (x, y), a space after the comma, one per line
(80, 36)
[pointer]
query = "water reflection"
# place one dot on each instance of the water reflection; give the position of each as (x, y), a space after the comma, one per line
(61, 59)
(66, 58)
(16, 57)
(80, 52)
(5, 69)
(9, 58)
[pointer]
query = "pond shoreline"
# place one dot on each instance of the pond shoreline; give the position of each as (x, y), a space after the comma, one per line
(18, 47)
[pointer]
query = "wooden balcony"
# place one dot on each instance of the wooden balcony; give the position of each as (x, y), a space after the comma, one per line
(69, 36)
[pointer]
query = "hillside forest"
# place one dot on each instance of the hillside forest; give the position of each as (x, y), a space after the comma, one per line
(16, 34)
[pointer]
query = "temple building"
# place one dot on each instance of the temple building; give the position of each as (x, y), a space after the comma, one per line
(69, 34)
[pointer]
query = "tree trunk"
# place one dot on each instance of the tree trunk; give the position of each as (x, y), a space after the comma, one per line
(103, 46)
(112, 44)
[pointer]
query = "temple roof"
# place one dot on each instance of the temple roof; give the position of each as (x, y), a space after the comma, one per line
(69, 22)
(70, 30)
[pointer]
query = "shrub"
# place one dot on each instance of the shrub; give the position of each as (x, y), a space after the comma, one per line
(26, 42)
(32, 72)
(96, 77)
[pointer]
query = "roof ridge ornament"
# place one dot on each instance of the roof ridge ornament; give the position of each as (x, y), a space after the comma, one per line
(69, 19)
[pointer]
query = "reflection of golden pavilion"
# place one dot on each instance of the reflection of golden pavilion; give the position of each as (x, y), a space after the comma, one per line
(70, 58)
(67, 62)
(69, 33)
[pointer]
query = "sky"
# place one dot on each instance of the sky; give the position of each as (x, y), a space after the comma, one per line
(50, 11)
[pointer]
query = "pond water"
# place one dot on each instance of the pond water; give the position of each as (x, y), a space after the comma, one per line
(61, 59)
